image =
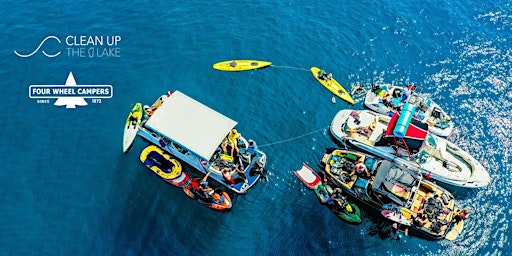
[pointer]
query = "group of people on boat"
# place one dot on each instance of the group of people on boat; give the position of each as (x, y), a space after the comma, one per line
(395, 99)
(208, 193)
(233, 171)
(421, 220)
(338, 201)
(230, 154)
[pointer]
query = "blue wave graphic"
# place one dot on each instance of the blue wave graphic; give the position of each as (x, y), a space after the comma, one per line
(37, 49)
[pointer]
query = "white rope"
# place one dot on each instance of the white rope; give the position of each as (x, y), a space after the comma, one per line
(290, 67)
(294, 138)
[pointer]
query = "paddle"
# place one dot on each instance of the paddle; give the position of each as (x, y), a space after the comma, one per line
(329, 82)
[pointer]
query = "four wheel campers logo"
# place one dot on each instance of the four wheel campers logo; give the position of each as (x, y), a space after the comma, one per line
(70, 94)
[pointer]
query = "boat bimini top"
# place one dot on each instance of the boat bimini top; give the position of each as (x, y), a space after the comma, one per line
(191, 124)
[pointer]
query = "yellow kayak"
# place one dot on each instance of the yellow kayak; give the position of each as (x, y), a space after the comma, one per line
(331, 84)
(241, 65)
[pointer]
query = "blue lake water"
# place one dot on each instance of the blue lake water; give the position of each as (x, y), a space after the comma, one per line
(68, 190)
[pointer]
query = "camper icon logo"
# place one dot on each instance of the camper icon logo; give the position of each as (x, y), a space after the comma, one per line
(70, 94)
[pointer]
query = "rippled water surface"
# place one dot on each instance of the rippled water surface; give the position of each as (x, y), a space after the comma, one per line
(67, 188)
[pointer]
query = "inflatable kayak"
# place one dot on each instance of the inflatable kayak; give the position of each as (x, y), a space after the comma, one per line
(331, 84)
(241, 65)
(132, 126)
(312, 180)
(456, 229)
(217, 199)
(163, 165)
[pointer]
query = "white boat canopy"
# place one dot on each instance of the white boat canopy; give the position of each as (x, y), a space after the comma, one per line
(191, 124)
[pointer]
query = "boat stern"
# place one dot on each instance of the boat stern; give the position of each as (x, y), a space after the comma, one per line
(338, 123)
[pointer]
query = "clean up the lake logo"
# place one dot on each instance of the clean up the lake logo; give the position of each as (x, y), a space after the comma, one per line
(70, 94)
(78, 46)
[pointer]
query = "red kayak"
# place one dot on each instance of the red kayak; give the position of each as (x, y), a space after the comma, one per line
(215, 199)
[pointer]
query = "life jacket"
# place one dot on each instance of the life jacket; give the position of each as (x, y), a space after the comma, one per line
(227, 158)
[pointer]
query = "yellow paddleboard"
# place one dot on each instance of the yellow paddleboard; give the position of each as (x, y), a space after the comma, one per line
(333, 86)
(241, 65)
(456, 229)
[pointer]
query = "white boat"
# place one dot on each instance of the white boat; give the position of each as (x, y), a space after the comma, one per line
(427, 111)
(407, 141)
(193, 133)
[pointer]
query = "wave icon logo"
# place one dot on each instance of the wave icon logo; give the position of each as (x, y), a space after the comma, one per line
(39, 47)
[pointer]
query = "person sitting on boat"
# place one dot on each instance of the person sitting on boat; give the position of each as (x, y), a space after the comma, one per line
(134, 118)
(386, 100)
(361, 130)
(232, 64)
(155, 106)
(337, 197)
(233, 138)
(361, 170)
(228, 177)
(462, 215)
(323, 75)
(252, 148)
(257, 168)
(218, 198)
(408, 91)
(420, 220)
(205, 189)
(228, 149)
(239, 168)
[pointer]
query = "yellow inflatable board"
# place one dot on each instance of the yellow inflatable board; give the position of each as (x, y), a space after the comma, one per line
(457, 228)
(241, 65)
(332, 85)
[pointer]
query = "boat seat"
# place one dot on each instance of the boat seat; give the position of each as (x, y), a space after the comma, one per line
(370, 164)
(376, 135)
(418, 203)
(406, 213)
(361, 182)
(443, 124)
(397, 175)
(361, 186)
(397, 189)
